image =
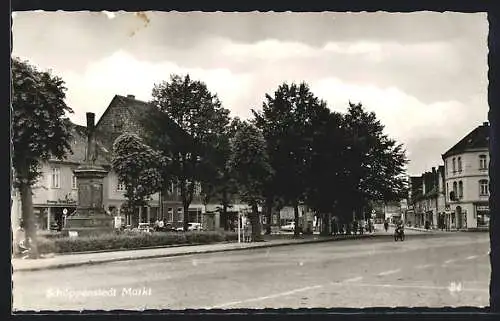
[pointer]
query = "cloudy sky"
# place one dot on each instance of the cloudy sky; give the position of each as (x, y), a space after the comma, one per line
(423, 74)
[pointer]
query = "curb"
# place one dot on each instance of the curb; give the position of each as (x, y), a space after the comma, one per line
(154, 256)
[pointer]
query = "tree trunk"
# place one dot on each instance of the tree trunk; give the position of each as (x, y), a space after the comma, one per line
(256, 232)
(29, 220)
(186, 215)
(269, 210)
(224, 215)
(296, 231)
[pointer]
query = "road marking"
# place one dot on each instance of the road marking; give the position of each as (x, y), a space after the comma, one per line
(422, 287)
(277, 295)
(425, 266)
(449, 261)
(389, 272)
(472, 257)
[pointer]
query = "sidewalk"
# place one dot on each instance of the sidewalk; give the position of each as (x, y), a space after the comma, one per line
(72, 260)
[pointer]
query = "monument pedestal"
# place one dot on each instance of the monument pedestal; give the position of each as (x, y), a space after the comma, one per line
(90, 217)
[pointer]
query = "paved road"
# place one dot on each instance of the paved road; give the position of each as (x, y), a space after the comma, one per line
(438, 270)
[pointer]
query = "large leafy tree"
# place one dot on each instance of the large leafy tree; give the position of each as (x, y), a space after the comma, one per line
(250, 166)
(138, 167)
(287, 121)
(220, 184)
(200, 115)
(376, 164)
(326, 166)
(40, 130)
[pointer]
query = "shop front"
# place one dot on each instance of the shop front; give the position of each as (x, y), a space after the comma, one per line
(482, 211)
(52, 215)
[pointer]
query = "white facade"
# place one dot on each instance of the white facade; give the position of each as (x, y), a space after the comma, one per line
(466, 176)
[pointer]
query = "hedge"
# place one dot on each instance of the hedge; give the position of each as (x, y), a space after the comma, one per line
(128, 240)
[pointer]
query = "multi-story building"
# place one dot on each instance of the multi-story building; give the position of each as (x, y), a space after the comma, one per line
(414, 192)
(427, 198)
(467, 180)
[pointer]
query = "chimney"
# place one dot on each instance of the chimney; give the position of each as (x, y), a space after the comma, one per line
(90, 121)
(131, 96)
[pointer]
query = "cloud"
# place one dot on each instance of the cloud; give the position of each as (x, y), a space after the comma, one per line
(121, 73)
(406, 118)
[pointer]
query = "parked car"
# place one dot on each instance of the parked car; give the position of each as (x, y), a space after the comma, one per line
(290, 227)
(145, 227)
(191, 227)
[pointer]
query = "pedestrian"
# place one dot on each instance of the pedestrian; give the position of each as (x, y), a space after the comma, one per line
(161, 225)
(246, 232)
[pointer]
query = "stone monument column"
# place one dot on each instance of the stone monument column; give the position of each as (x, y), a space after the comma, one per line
(90, 217)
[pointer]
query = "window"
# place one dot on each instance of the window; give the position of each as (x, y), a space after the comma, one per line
(56, 177)
(454, 165)
(447, 192)
(170, 214)
(455, 190)
(460, 189)
(120, 187)
(171, 188)
(483, 187)
(180, 217)
(74, 182)
(446, 166)
(482, 162)
(459, 161)
(197, 189)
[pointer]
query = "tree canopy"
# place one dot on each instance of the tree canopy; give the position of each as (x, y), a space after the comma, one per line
(199, 114)
(249, 163)
(138, 167)
(40, 130)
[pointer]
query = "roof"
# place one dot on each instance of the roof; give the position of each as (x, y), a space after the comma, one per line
(135, 111)
(78, 146)
(476, 139)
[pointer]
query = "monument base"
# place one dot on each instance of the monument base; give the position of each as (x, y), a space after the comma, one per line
(89, 225)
